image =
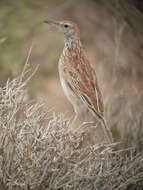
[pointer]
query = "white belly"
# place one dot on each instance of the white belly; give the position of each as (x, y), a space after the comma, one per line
(68, 92)
(71, 96)
(65, 87)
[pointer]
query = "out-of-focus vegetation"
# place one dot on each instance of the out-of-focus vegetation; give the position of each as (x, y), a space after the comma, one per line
(20, 22)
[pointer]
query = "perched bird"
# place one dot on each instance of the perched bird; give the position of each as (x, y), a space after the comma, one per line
(77, 76)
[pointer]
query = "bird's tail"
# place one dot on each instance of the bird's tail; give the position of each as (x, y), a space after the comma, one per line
(107, 131)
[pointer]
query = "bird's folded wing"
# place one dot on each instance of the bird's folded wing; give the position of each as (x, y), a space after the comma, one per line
(86, 88)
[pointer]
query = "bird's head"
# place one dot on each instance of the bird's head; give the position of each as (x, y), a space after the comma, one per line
(69, 29)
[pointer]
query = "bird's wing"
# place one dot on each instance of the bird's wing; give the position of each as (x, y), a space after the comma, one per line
(81, 78)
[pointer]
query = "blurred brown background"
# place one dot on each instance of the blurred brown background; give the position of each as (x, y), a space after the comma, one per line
(112, 34)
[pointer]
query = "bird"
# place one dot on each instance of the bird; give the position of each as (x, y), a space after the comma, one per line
(77, 76)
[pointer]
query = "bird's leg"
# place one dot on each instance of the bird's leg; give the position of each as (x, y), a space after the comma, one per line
(74, 120)
(79, 119)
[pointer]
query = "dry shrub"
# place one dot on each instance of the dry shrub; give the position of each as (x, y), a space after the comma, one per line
(39, 151)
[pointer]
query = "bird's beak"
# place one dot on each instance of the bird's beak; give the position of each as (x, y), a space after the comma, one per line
(54, 23)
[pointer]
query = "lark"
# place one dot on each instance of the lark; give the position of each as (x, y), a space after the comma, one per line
(78, 77)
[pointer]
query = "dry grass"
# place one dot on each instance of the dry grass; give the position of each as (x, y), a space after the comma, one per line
(39, 151)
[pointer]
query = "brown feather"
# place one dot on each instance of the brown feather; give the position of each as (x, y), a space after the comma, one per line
(75, 66)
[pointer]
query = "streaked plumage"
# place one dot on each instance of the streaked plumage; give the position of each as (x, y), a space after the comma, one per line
(77, 76)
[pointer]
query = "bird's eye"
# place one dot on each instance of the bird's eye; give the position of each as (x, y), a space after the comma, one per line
(65, 25)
